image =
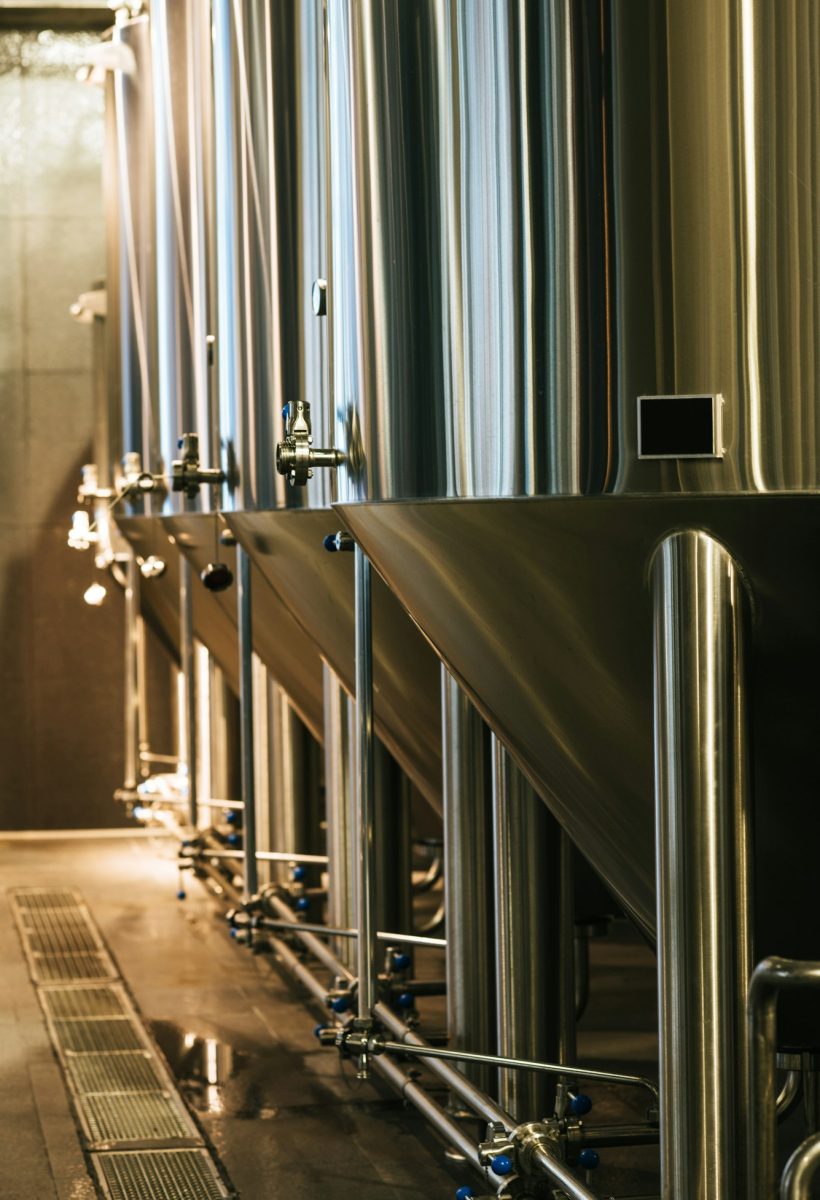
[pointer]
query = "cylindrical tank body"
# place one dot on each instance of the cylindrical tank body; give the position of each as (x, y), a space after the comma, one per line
(129, 178)
(271, 236)
(183, 167)
(715, 114)
(467, 293)
(542, 213)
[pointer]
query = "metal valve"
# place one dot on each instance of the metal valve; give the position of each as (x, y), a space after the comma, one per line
(295, 456)
(187, 475)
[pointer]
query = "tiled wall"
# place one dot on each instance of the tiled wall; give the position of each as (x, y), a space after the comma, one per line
(60, 661)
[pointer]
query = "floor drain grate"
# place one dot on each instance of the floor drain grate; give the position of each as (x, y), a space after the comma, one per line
(71, 1003)
(106, 1033)
(142, 1139)
(136, 1117)
(170, 1174)
(132, 1071)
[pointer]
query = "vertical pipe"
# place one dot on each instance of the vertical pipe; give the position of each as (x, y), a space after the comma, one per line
(365, 877)
(529, 924)
(468, 874)
(131, 680)
(243, 596)
(186, 663)
(289, 777)
(392, 845)
(143, 739)
(204, 731)
(566, 1045)
(704, 894)
(263, 766)
(340, 753)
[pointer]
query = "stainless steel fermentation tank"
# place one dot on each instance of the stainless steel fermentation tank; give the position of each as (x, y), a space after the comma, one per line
(573, 307)
(569, 357)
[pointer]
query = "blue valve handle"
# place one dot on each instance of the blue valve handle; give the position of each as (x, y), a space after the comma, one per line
(580, 1105)
(464, 1193)
(181, 894)
(589, 1159)
(303, 903)
(406, 1000)
(340, 1004)
(401, 961)
(298, 873)
(502, 1164)
(232, 839)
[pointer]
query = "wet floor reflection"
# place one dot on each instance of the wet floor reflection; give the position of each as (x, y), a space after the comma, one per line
(215, 1076)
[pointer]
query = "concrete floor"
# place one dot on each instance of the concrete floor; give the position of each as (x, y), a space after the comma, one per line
(284, 1115)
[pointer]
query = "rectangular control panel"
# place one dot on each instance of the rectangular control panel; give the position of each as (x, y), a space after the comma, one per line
(680, 426)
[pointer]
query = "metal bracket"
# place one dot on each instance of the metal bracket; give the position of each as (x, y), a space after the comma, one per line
(295, 456)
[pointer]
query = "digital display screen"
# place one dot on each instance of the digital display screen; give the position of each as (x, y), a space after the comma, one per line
(678, 427)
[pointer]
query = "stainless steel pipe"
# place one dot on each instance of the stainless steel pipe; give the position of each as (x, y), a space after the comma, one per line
(365, 789)
(131, 676)
(245, 629)
(704, 892)
(801, 1170)
(468, 878)
(770, 977)
(339, 752)
(186, 663)
(535, 957)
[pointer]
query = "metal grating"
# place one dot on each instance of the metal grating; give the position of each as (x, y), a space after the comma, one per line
(52, 968)
(122, 1092)
(151, 1174)
(130, 1071)
(105, 1033)
(59, 938)
(72, 1002)
(39, 898)
(135, 1117)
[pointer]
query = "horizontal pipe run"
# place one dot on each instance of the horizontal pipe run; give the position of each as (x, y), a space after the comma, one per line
(337, 931)
(148, 756)
(435, 1114)
(561, 1174)
(263, 856)
(458, 1083)
(609, 1136)
(318, 949)
(523, 1064)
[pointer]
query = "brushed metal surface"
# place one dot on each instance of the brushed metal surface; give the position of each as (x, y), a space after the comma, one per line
(541, 608)
(715, 235)
(469, 299)
(183, 169)
(271, 236)
(317, 588)
(650, 228)
(279, 640)
(704, 885)
(132, 248)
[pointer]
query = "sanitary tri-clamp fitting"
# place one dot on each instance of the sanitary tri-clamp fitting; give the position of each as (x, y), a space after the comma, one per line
(187, 473)
(296, 456)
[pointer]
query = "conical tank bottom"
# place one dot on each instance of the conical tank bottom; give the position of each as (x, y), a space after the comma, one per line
(542, 609)
(317, 588)
(290, 656)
